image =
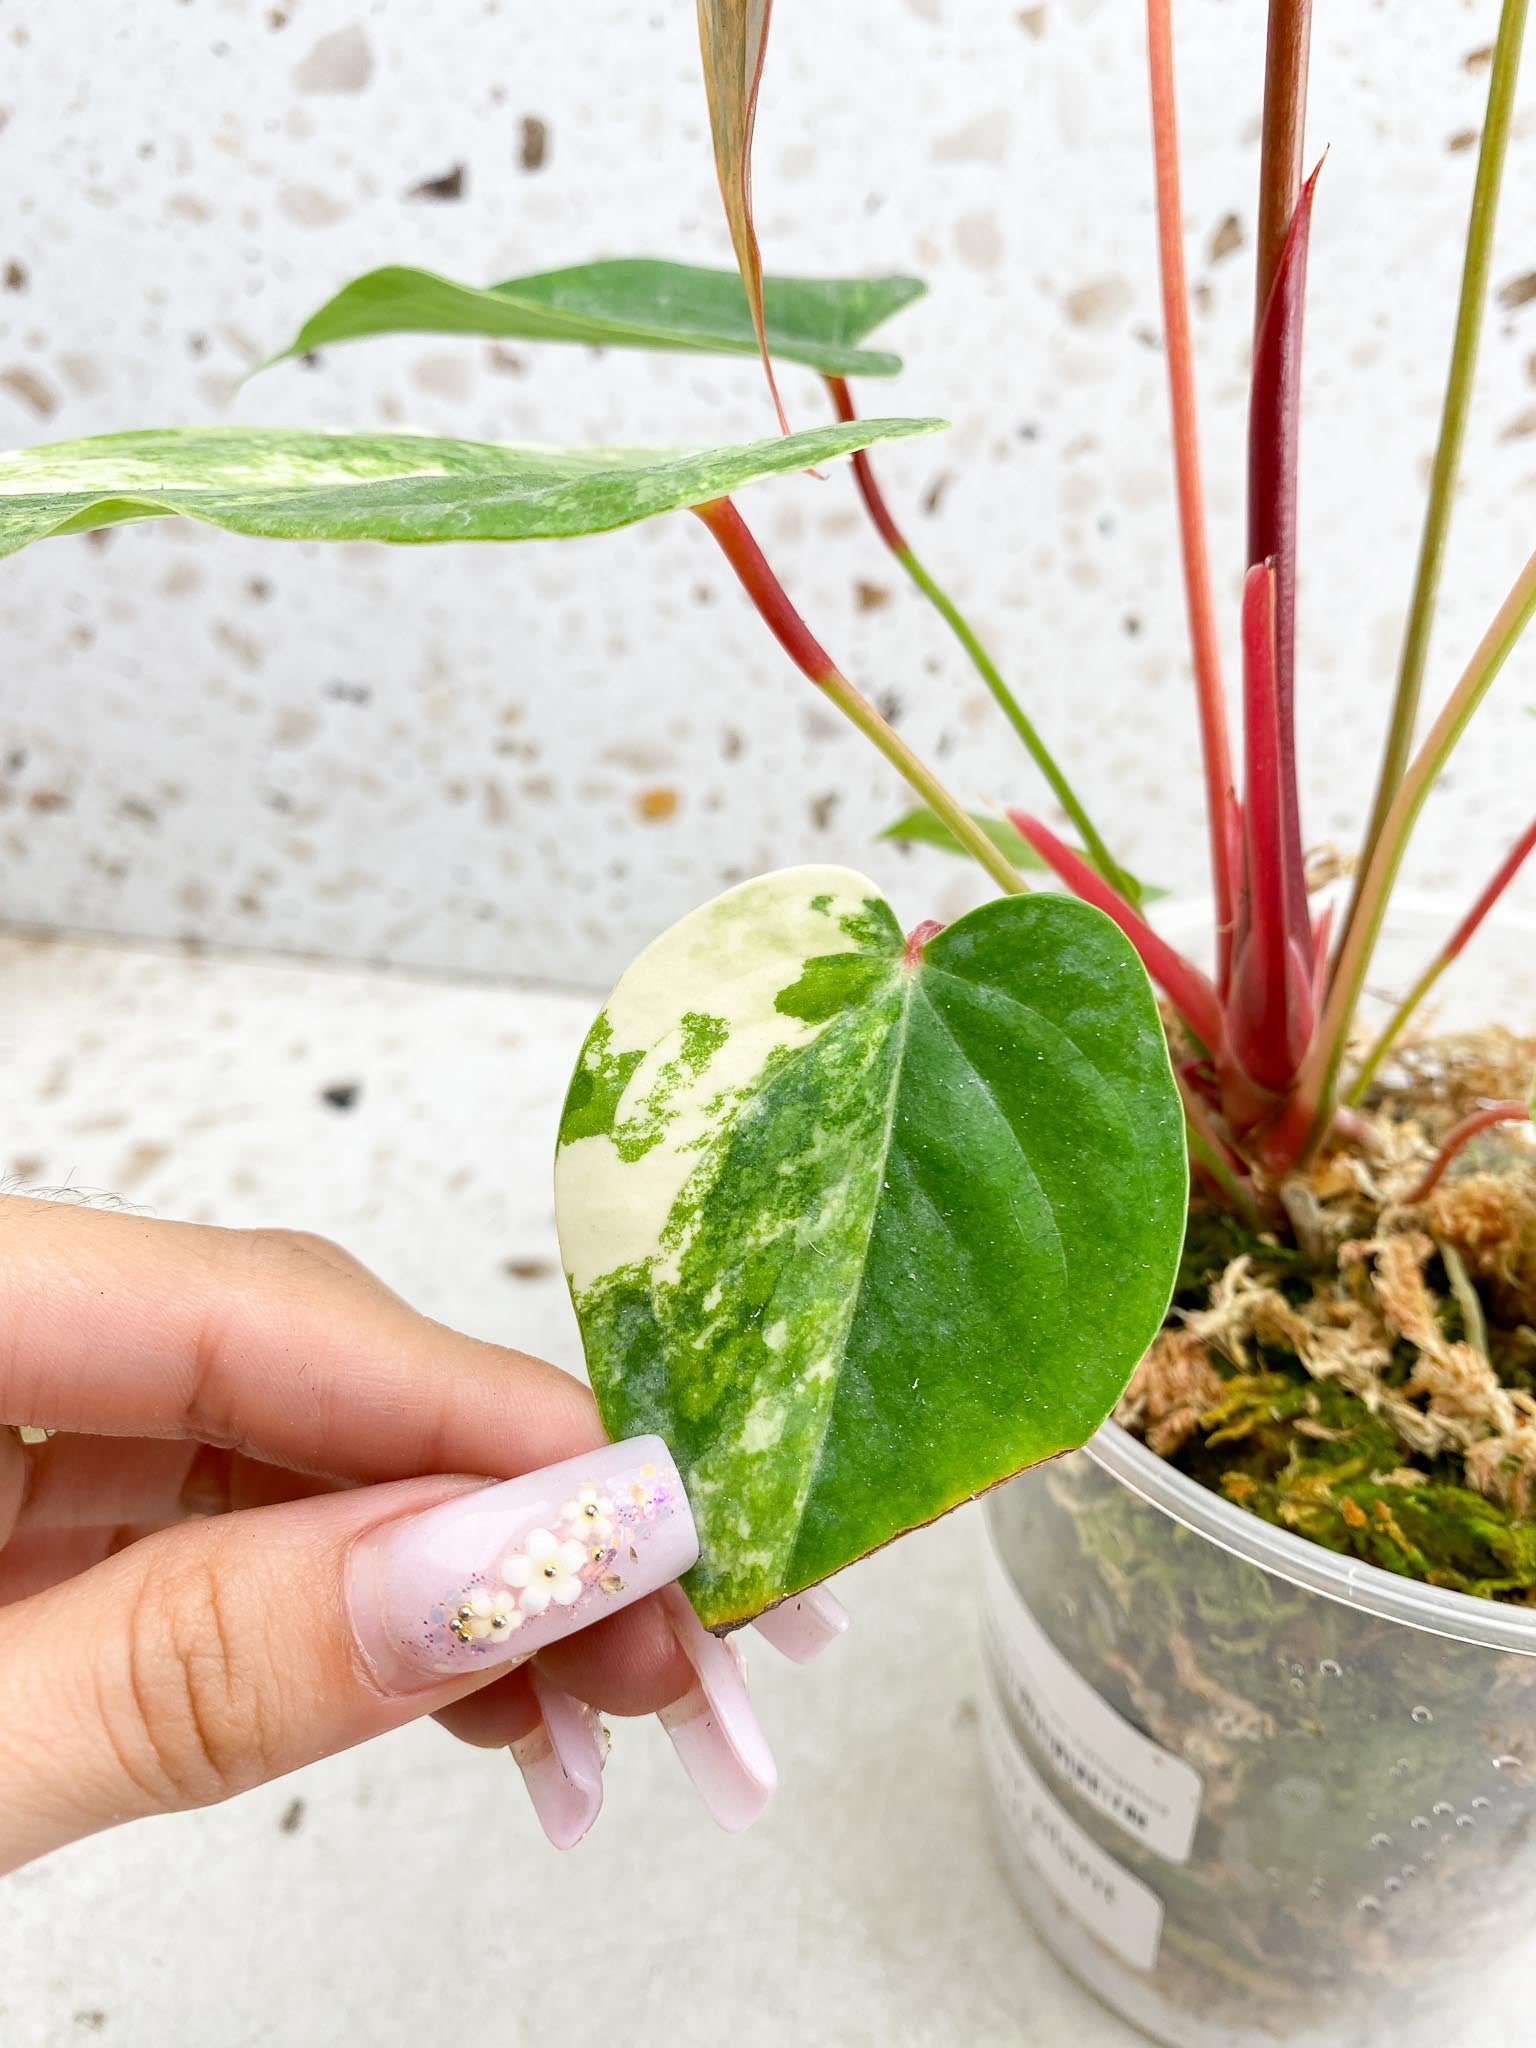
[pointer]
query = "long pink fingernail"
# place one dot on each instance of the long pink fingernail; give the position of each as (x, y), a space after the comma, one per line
(485, 1580)
(713, 1728)
(562, 1764)
(801, 1627)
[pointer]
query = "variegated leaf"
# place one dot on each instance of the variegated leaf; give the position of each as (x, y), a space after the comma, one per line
(632, 302)
(861, 1230)
(285, 484)
(733, 38)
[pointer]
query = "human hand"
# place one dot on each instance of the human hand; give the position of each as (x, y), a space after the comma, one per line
(158, 1652)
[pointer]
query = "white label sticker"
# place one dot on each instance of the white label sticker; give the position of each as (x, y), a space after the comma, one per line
(1152, 1794)
(1114, 1905)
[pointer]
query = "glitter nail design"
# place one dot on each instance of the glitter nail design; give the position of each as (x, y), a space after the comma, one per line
(494, 1575)
(559, 1567)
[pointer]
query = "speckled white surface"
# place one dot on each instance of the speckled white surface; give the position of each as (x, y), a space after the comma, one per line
(526, 761)
(401, 1897)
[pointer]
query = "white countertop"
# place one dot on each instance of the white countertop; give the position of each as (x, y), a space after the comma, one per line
(402, 1896)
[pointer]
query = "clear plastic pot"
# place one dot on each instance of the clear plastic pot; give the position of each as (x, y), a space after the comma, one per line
(1250, 1791)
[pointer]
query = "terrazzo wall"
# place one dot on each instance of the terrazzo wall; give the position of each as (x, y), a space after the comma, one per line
(526, 761)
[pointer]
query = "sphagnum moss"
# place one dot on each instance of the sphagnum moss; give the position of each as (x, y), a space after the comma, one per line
(1364, 1372)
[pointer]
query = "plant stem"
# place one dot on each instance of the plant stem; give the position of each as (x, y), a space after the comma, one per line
(1280, 150)
(1221, 803)
(1480, 1120)
(1274, 414)
(883, 523)
(1206, 1146)
(1274, 439)
(1312, 1106)
(1453, 424)
(729, 529)
(1503, 875)
(1392, 1030)
(1269, 1004)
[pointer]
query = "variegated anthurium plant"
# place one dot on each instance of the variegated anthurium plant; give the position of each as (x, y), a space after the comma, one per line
(863, 1223)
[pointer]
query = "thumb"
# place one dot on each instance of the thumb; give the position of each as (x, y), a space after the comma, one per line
(222, 1653)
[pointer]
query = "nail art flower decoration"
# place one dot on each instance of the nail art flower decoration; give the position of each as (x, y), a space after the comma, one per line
(483, 1613)
(545, 1571)
(589, 1516)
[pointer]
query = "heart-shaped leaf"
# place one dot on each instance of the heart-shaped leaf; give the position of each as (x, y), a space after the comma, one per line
(631, 302)
(285, 484)
(733, 39)
(861, 1232)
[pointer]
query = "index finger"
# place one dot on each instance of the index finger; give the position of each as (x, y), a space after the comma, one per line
(268, 1342)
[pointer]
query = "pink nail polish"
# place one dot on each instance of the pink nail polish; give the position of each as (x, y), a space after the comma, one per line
(562, 1764)
(801, 1627)
(713, 1728)
(483, 1581)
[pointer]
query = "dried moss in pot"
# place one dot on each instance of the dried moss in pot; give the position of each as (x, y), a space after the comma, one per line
(1362, 1373)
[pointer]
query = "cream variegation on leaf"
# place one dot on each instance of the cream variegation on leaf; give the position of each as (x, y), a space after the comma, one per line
(861, 1230)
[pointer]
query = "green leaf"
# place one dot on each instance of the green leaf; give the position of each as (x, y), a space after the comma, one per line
(633, 302)
(285, 484)
(922, 827)
(733, 39)
(860, 1237)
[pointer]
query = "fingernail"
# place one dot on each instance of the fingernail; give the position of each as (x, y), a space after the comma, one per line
(562, 1764)
(487, 1579)
(800, 1628)
(713, 1728)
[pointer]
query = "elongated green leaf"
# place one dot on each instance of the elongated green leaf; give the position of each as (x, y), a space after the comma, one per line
(733, 38)
(632, 302)
(861, 1235)
(285, 484)
(922, 827)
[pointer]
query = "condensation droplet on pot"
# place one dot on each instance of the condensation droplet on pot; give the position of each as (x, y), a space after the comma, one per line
(1380, 1841)
(1401, 1768)
(1410, 1870)
(1481, 1804)
(1369, 1906)
(1393, 1884)
(1298, 1671)
(1505, 1763)
(1428, 1856)
(1465, 1820)
(1442, 1809)
(1421, 1715)
(1420, 1820)
(1300, 1794)
(1297, 1685)
(1330, 1667)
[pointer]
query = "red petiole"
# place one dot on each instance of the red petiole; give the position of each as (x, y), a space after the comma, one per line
(1470, 1127)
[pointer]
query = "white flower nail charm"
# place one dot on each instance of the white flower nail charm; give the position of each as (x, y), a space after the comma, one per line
(483, 1613)
(545, 1571)
(496, 1573)
(589, 1516)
